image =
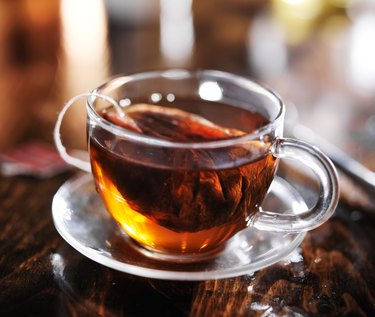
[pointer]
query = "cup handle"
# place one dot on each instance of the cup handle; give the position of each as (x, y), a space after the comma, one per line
(71, 160)
(326, 173)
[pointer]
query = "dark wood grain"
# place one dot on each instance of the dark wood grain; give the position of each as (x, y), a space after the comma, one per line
(331, 274)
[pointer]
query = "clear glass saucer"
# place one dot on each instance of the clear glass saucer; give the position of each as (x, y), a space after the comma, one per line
(82, 220)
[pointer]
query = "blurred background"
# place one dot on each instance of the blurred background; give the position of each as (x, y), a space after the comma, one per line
(318, 54)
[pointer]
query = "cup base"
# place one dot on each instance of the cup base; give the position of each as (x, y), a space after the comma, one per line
(176, 257)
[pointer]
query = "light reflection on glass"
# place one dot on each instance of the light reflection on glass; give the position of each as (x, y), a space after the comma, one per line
(156, 97)
(176, 74)
(125, 102)
(210, 90)
(176, 30)
(171, 97)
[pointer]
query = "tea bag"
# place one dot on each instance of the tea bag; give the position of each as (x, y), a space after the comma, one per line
(184, 199)
(170, 124)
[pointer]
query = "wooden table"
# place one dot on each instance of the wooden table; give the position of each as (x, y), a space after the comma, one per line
(41, 275)
(333, 273)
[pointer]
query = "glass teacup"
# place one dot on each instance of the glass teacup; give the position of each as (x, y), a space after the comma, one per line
(183, 160)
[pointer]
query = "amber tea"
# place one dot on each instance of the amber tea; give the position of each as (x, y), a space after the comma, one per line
(185, 199)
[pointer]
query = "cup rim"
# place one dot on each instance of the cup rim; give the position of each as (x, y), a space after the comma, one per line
(181, 73)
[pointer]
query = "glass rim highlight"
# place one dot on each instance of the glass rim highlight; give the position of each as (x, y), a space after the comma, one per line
(182, 74)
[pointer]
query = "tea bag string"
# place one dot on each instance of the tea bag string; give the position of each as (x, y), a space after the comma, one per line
(83, 165)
